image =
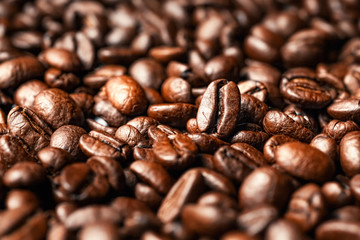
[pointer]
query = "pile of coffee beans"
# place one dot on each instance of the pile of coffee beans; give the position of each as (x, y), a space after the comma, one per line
(180, 119)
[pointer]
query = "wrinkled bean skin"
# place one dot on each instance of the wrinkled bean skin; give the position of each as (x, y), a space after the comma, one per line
(126, 95)
(276, 122)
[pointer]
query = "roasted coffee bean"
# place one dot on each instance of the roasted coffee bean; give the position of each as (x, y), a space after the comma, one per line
(336, 194)
(21, 198)
(347, 109)
(99, 77)
(305, 162)
(126, 95)
(307, 207)
(54, 159)
(109, 168)
(94, 125)
(284, 229)
(118, 55)
(222, 66)
(250, 152)
(165, 54)
(26, 125)
(188, 188)
(84, 101)
(107, 231)
(173, 114)
(252, 109)
(206, 143)
(176, 90)
(349, 157)
(276, 122)
(251, 134)
(148, 73)
(332, 74)
(104, 109)
(152, 174)
(254, 88)
(262, 44)
(265, 185)
(338, 129)
(92, 214)
(254, 221)
(142, 124)
(273, 144)
(348, 213)
(326, 144)
(25, 175)
(338, 229)
(284, 23)
(55, 78)
(355, 186)
(62, 59)
(298, 87)
(129, 135)
(148, 195)
(26, 93)
(177, 151)
(56, 108)
(219, 108)
(300, 116)
(67, 138)
(304, 48)
(13, 150)
(153, 96)
(18, 70)
(208, 220)
(97, 143)
(78, 183)
(233, 164)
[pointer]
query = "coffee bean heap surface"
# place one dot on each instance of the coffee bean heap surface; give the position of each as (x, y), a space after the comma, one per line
(180, 119)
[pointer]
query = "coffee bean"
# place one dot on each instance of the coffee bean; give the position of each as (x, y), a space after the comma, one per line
(252, 109)
(303, 161)
(56, 78)
(287, 126)
(102, 144)
(338, 229)
(26, 92)
(56, 108)
(165, 54)
(284, 228)
(26, 125)
(18, 70)
(104, 109)
(219, 108)
(347, 213)
(273, 143)
(173, 114)
(336, 194)
(25, 175)
(307, 207)
(222, 67)
(348, 153)
(148, 73)
(265, 185)
(126, 95)
(176, 90)
(338, 129)
(206, 143)
(326, 144)
(254, 221)
(54, 159)
(254, 88)
(251, 134)
(347, 109)
(62, 59)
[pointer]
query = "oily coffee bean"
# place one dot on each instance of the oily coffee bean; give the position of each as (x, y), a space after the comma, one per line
(62, 59)
(251, 134)
(176, 90)
(67, 138)
(100, 75)
(222, 67)
(219, 108)
(349, 160)
(56, 108)
(254, 221)
(272, 144)
(338, 129)
(305, 162)
(347, 109)
(25, 175)
(307, 207)
(206, 143)
(97, 143)
(104, 109)
(338, 229)
(337, 194)
(254, 88)
(26, 125)
(173, 114)
(129, 134)
(126, 95)
(284, 228)
(56, 78)
(326, 144)
(148, 73)
(84, 101)
(26, 93)
(177, 151)
(265, 185)
(276, 122)
(252, 109)
(54, 159)
(251, 152)
(165, 54)
(298, 87)
(18, 70)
